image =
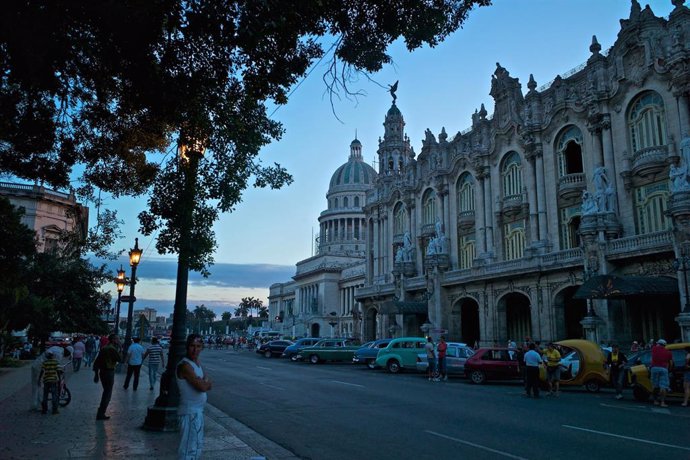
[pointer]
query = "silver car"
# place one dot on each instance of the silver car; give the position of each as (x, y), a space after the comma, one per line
(456, 355)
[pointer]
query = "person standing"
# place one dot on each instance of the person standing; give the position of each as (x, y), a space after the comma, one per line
(104, 368)
(89, 351)
(155, 355)
(532, 361)
(431, 358)
(135, 357)
(193, 385)
(49, 376)
(79, 350)
(442, 348)
(661, 361)
(62, 355)
(686, 378)
(552, 358)
(615, 361)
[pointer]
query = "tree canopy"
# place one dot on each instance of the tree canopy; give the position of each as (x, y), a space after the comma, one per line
(103, 85)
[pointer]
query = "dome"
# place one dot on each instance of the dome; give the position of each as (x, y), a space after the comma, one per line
(354, 172)
(394, 110)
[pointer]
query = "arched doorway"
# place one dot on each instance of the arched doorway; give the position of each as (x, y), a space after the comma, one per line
(316, 330)
(466, 312)
(370, 324)
(568, 314)
(518, 318)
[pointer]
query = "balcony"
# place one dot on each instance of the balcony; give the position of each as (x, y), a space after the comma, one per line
(638, 245)
(511, 205)
(650, 160)
(571, 185)
(466, 220)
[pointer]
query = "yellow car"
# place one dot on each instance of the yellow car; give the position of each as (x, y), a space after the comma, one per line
(640, 376)
(583, 363)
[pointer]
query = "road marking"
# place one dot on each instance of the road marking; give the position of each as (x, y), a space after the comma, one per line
(272, 386)
(505, 454)
(346, 383)
(645, 441)
(264, 368)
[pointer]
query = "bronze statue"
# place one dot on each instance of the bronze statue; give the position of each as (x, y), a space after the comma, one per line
(392, 89)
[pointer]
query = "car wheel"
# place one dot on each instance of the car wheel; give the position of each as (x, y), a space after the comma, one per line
(478, 377)
(371, 364)
(640, 394)
(267, 353)
(314, 359)
(592, 386)
(293, 358)
(393, 366)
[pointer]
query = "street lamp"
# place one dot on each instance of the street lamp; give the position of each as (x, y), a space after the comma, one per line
(134, 258)
(120, 282)
(682, 264)
(163, 415)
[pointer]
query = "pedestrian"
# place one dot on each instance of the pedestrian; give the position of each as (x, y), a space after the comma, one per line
(104, 368)
(49, 376)
(193, 385)
(89, 351)
(155, 355)
(62, 355)
(552, 358)
(442, 348)
(79, 350)
(686, 378)
(532, 361)
(615, 361)
(662, 360)
(431, 358)
(134, 359)
(635, 347)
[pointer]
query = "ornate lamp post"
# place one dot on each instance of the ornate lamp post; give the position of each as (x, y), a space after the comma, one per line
(163, 415)
(134, 258)
(120, 282)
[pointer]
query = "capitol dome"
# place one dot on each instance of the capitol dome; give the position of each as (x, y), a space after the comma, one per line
(355, 172)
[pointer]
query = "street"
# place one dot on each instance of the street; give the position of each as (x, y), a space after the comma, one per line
(342, 411)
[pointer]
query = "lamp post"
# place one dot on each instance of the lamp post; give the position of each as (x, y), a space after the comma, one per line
(120, 282)
(163, 415)
(682, 264)
(134, 258)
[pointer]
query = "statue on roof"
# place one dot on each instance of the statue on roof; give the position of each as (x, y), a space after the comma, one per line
(392, 89)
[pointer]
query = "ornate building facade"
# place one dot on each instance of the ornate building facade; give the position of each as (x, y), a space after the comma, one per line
(487, 236)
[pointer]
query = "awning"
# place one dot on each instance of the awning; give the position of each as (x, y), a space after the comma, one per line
(620, 287)
(395, 307)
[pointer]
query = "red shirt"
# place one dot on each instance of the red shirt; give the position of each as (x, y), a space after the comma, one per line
(442, 347)
(660, 356)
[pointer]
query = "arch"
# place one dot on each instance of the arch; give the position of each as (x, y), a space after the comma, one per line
(429, 207)
(464, 191)
(370, 324)
(465, 321)
(315, 330)
(356, 202)
(335, 203)
(646, 121)
(514, 318)
(345, 202)
(568, 313)
(511, 175)
(569, 151)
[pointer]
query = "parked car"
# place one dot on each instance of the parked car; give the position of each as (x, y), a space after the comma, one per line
(273, 348)
(583, 364)
(330, 350)
(401, 353)
(492, 364)
(367, 353)
(640, 378)
(293, 350)
(456, 356)
(164, 342)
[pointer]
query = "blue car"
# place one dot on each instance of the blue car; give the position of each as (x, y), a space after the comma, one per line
(293, 350)
(366, 354)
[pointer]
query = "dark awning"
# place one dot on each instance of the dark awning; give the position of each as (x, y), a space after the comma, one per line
(395, 307)
(619, 287)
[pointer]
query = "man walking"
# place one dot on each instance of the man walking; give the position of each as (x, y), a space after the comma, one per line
(552, 357)
(532, 361)
(155, 355)
(661, 361)
(193, 385)
(135, 357)
(104, 367)
(79, 350)
(615, 361)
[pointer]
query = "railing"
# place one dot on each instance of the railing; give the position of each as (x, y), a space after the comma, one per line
(640, 242)
(428, 229)
(571, 179)
(33, 188)
(656, 153)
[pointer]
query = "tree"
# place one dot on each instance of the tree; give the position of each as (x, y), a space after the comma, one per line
(226, 316)
(250, 304)
(241, 311)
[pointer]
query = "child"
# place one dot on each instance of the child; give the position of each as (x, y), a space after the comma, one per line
(50, 378)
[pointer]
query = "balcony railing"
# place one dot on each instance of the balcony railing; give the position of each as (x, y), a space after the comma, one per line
(656, 240)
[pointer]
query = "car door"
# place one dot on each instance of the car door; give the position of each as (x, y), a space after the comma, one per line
(453, 362)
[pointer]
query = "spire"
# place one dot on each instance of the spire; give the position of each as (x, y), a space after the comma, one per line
(595, 47)
(531, 84)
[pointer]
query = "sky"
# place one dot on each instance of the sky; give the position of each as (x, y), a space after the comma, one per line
(269, 231)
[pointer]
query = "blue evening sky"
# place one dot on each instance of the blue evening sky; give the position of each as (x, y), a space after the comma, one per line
(259, 243)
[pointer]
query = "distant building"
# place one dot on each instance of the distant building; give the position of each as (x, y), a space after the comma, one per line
(149, 314)
(48, 212)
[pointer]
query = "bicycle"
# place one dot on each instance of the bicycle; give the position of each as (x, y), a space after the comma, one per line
(64, 395)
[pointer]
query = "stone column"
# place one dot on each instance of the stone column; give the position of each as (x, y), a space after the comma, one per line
(531, 179)
(609, 161)
(480, 225)
(488, 214)
(541, 197)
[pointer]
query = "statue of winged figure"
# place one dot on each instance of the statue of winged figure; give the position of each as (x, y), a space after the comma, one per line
(393, 88)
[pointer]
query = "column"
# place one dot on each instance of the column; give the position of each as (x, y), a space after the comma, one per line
(609, 161)
(596, 146)
(683, 114)
(541, 198)
(480, 224)
(531, 179)
(488, 214)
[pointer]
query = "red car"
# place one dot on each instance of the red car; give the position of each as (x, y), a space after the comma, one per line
(492, 364)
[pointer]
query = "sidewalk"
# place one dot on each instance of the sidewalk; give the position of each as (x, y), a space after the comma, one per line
(75, 433)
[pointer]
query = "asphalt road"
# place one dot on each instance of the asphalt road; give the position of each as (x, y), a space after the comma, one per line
(342, 411)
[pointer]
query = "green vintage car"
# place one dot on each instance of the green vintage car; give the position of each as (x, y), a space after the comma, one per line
(330, 350)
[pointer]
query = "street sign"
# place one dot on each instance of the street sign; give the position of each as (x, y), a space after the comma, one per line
(126, 299)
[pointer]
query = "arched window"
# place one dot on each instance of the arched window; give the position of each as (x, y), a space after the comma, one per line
(514, 240)
(429, 207)
(569, 151)
(335, 203)
(345, 202)
(465, 194)
(511, 173)
(466, 251)
(647, 122)
(356, 201)
(650, 208)
(399, 219)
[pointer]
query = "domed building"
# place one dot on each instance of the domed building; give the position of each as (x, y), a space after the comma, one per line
(320, 299)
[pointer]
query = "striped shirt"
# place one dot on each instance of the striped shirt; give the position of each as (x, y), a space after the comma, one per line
(50, 370)
(155, 354)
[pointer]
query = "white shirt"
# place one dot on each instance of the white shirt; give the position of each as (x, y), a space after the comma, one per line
(191, 399)
(136, 354)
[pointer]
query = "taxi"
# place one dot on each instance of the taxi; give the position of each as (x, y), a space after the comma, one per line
(640, 375)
